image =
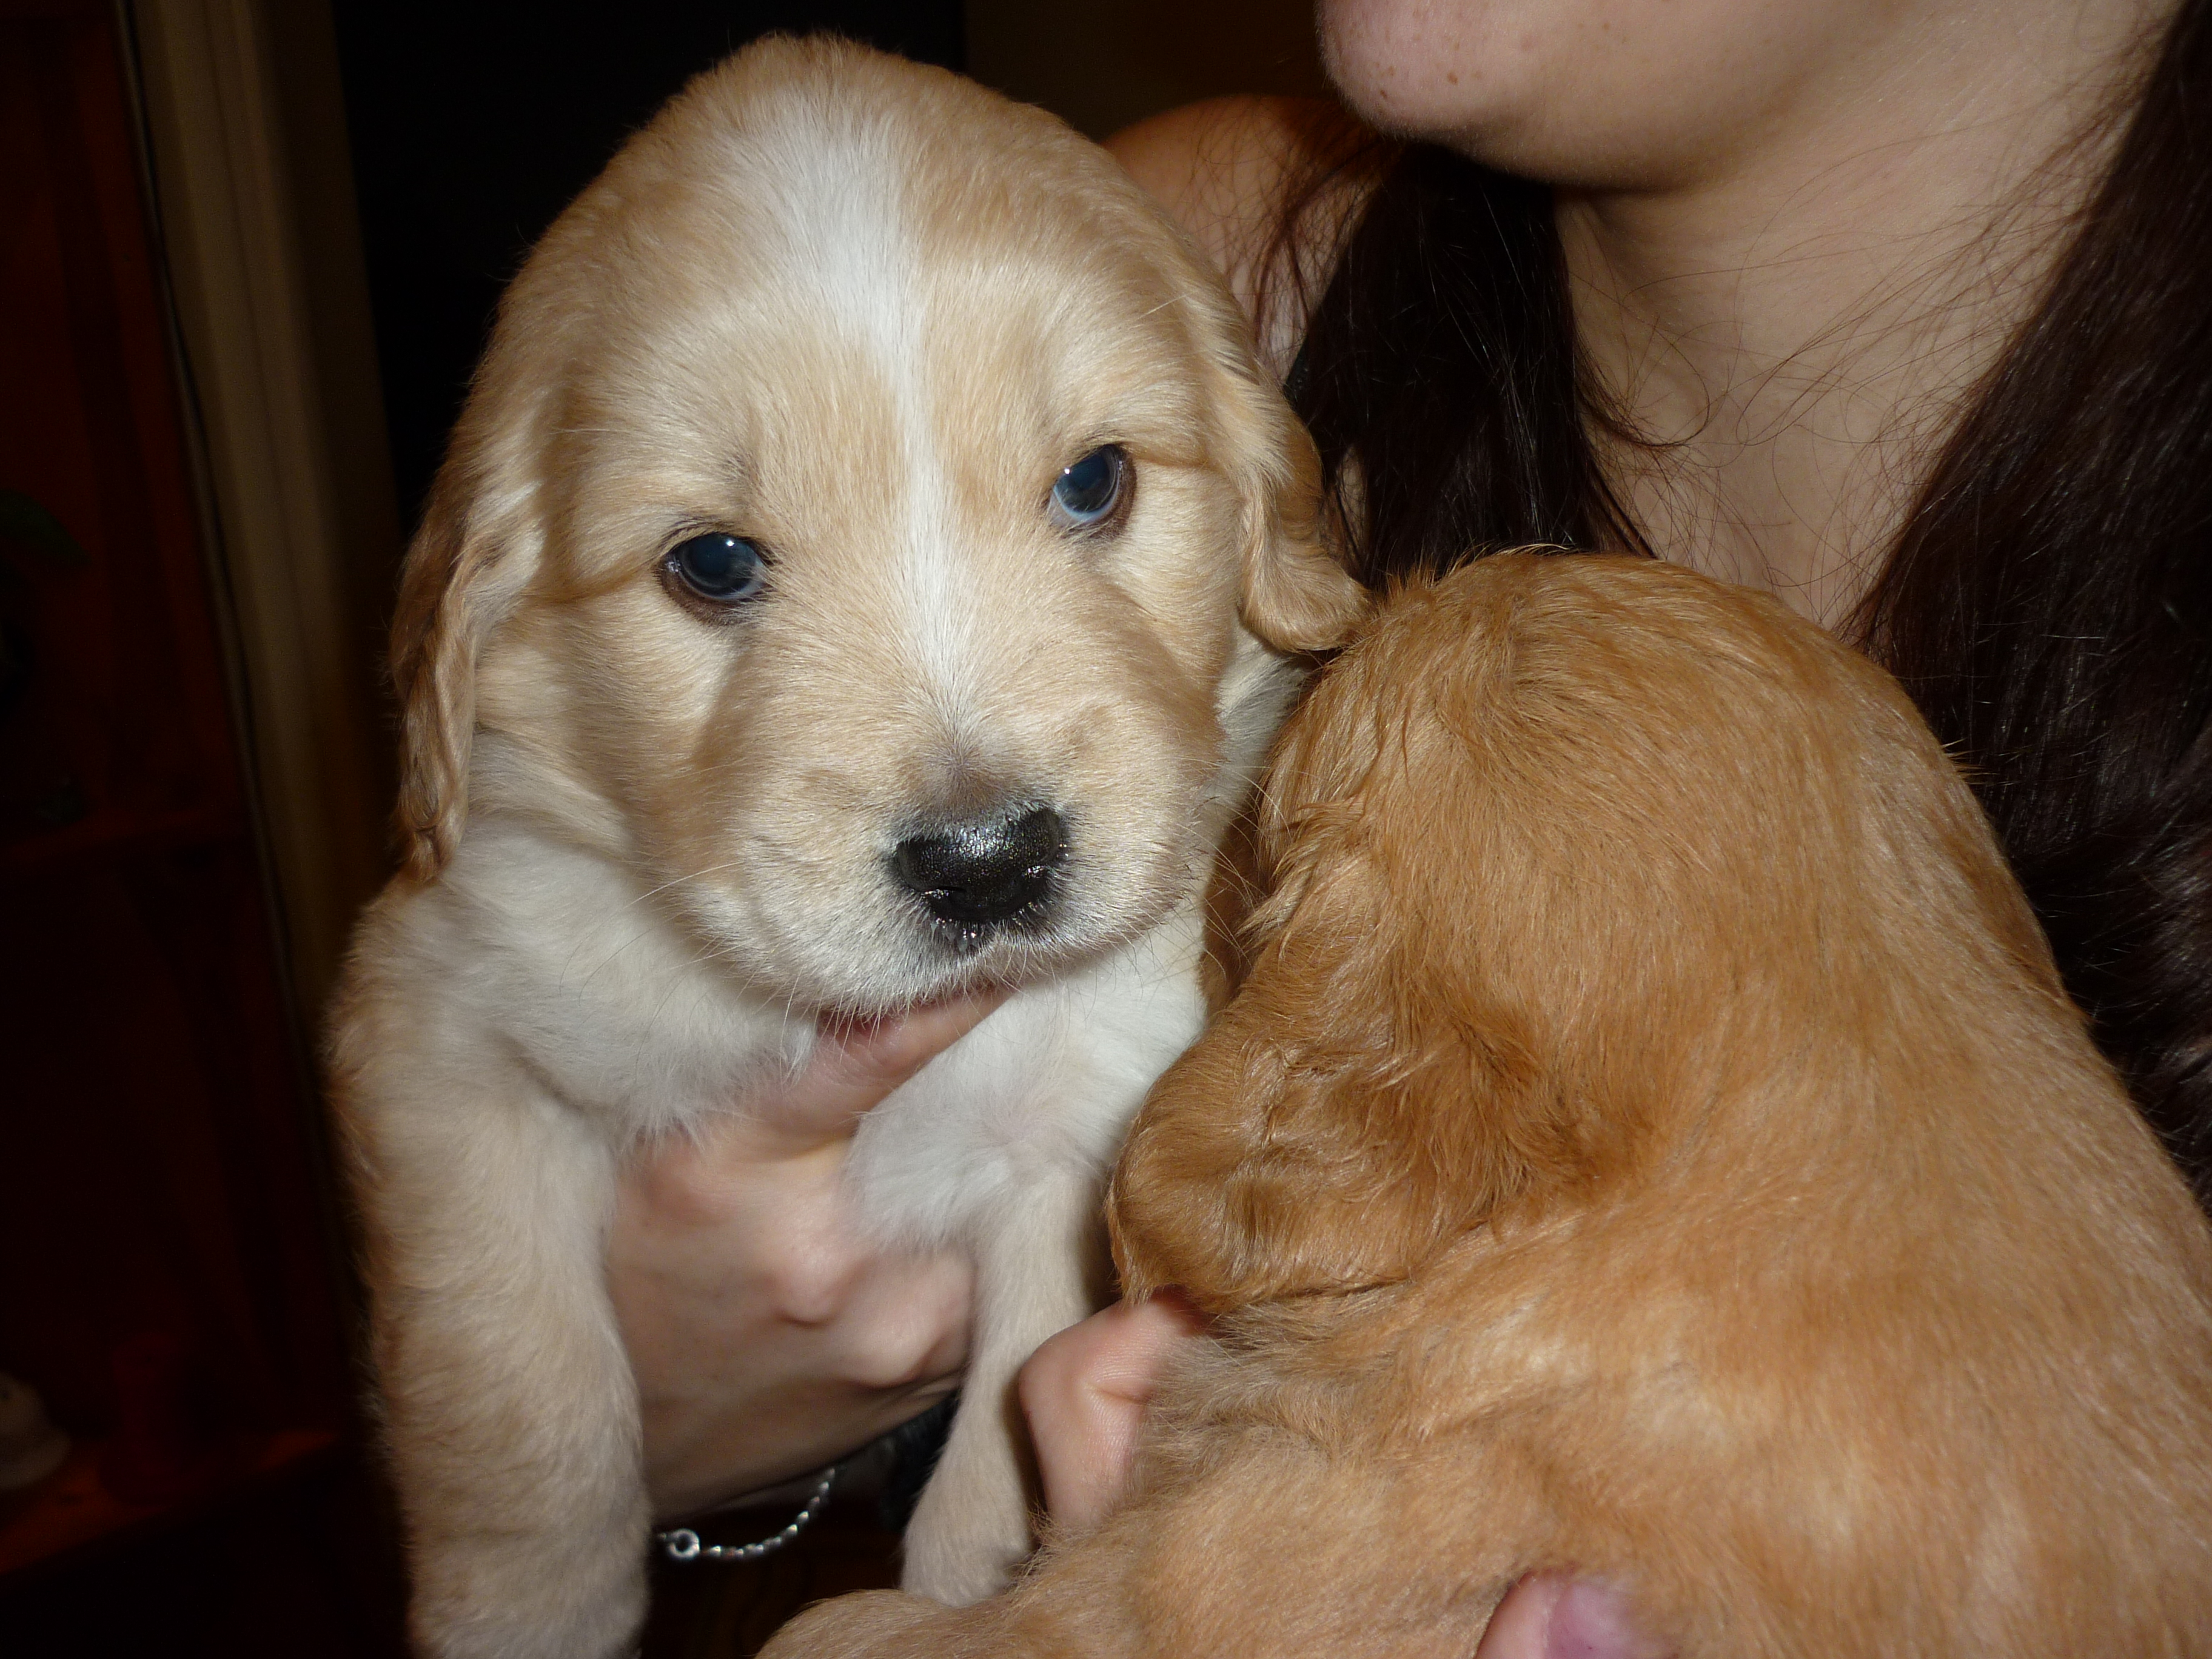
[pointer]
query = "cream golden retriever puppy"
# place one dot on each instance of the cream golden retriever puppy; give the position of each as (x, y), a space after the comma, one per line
(862, 572)
(1653, 1144)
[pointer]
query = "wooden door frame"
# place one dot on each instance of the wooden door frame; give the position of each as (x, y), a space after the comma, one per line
(250, 196)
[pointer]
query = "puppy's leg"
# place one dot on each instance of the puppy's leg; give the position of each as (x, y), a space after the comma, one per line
(509, 1405)
(971, 1528)
(1265, 1544)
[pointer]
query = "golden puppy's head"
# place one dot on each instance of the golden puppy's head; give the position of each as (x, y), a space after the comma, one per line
(862, 509)
(1565, 851)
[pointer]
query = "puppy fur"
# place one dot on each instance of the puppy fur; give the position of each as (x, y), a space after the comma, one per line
(862, 313)
(1652, 1143)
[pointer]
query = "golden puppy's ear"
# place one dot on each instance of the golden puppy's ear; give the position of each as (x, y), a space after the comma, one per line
(1337, 1126)
(1298, 595)
(451, 590)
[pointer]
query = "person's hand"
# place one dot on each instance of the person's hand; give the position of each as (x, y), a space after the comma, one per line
(1550, 1615)
(768, 1339)
(1085, 1393)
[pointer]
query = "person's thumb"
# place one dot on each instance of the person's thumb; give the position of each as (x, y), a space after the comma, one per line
(855, 1064)
(1548, 1615)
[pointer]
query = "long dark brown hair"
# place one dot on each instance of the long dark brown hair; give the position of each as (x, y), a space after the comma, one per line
(2048, 601)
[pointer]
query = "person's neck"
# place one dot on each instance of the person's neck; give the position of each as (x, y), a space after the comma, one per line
(1791, 336)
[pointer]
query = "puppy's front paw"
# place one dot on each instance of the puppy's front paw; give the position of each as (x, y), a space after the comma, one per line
(528, 1598)
(968, 1536)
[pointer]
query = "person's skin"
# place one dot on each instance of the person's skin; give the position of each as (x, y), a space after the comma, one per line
(1085, 1393)
(768, 1340)
(1796, 231)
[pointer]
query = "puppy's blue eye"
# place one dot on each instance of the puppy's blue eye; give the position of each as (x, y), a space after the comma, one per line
(727, 570)
(1088, 492)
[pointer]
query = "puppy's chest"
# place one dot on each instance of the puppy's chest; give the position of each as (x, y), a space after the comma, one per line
(551, 958)
(617, 1014)
(1042, 1092)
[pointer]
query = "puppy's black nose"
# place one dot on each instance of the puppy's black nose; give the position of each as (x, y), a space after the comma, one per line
(981, 876)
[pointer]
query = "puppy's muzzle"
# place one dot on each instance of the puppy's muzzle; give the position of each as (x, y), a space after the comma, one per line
(978, 878)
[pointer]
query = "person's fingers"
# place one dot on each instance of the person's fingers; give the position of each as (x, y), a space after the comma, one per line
(855, 1064)
(736, 1396)
(704, 1238)
(1519, 1627)
(1549, 1616)
(1084, 1394)
(763, 1324)
(765, 1330)
(906, 1324)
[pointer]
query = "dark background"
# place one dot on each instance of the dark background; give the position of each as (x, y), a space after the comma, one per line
(473, 124)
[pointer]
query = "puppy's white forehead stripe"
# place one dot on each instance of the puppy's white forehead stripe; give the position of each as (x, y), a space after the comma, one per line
(842, 208)
(851, 228)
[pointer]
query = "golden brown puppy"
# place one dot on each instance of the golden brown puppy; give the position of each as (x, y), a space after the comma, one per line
(861, 574)
(1652, 1143)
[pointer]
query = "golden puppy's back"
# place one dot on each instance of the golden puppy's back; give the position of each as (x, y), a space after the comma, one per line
(1647, 1027)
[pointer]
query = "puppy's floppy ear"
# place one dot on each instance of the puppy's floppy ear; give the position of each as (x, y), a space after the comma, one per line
(1358, 1106)
(1267, 1165)
(459, 578)
(1380, 1085)
(1298, 595)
